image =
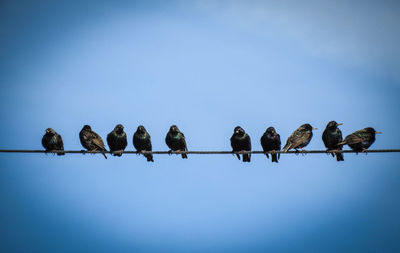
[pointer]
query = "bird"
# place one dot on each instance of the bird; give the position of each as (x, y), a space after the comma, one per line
(360, 140)
(91, 140)
(240, 141)
(52, 141)
(331, 137)
(117, 140)
(142, 142)
(271, 142)
(176, 140)
(299, 138)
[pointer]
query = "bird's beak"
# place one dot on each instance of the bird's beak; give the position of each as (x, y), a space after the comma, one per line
(378, 132)
(339, 124)
(47, 131)
(314, 128)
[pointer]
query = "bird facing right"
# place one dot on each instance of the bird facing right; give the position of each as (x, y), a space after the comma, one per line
(299, 138)
(91, 140)
(331, 137)
(361, 140)
(270, 142)
(240, 141)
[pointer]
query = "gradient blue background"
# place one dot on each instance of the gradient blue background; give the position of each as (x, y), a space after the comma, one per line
(206, 66)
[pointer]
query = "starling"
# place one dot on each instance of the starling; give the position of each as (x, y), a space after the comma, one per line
(142, 142)
(271, 141)
(91, 140)
(52, 141)
(360, 140)
(117, 141)
(299, 138)
(240, 141)
(331, 137)
(176, 140)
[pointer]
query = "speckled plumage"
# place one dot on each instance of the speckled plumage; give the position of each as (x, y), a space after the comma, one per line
(360, 140)
(142, 142)
(299, 138)
(240, 141)
(271, 141)
(91, 140)
(176, 140)
(331, 137)
(52, 141)
(117, 140)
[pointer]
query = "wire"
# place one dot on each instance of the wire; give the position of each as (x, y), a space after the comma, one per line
(198, 152)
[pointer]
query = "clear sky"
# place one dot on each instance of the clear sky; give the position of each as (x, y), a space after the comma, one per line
(207, 67)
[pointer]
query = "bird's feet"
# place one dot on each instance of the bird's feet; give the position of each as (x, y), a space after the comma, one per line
(364, 150)
(170, 152)
(118, 152)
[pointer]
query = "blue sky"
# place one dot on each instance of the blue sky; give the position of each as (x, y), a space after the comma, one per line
(205, 66)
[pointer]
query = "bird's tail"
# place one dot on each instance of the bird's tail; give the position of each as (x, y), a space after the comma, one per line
(339, 157)
(274, 157)
(149, 157)
(286, 147)
(246, 157)
(238, 156)
(184, 156)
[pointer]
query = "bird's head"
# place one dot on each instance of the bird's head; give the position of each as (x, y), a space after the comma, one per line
(86, 128)
(174, 129)
(372, 131)
(333, 124)
(238, 130)
(308, 127)
(50, 131)
(119, 129)
(141, 129)
(270, 130)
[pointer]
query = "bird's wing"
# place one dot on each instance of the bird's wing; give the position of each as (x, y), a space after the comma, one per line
(60, 142)
(184, 141)
(248, 142)
(97, 141)
(353, 139)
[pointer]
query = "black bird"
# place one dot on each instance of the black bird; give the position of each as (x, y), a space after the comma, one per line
(142, 142)
(176, 140)
(91, 140)
(271, 141)
(299, 138)
(360, 140)
(331, 137)
(52, 141)
(240, 141)
(117, 140)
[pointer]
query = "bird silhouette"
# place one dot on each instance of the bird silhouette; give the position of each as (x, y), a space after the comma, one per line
(240, 141)
(361, 140)
(52, 141)
(142, 142)
(91, 140)
(117, 140)
(331, 137)
(299, 138)
(271, 142)
(176, 140)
